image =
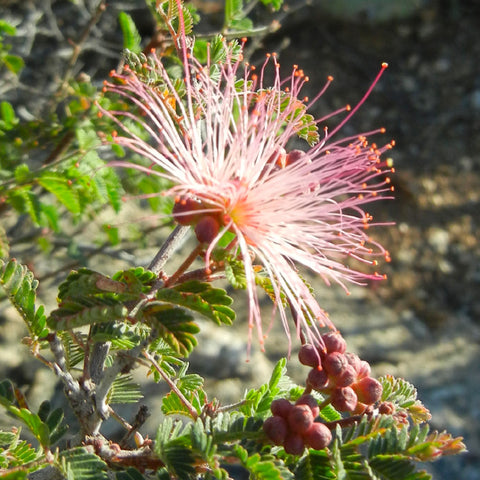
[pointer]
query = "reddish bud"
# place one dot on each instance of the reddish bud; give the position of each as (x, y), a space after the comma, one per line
(346, 377)
(363, 369)
(281, 407)
(368, 390)
(312, 403)
(185, 211)
(295, 155)
(344, 399)
(309, 356)
(317, 379)
(318, 436)
(334, 342)
(207, 229)
(278, 157)
(300, 418)
(386, 408)
(276, 429)
(335, 363)
(294, 445)
(353, 360)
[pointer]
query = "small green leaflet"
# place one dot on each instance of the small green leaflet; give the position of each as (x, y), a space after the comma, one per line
(200, 297)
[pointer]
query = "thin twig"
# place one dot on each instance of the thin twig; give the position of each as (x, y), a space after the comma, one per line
(78, 45)
(183, 267)
(174, 241)
(171, 384)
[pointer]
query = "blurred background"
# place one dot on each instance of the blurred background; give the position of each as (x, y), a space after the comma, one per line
(423, 323)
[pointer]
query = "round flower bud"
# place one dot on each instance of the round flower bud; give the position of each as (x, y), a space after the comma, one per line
(207, 229)
(363, 369)
(317, 379)
(368, 390)
(344, 399)
(300, 418)
(334, 342)
(346, 377)
(294, 444)
(281, 407)
(335, 363)
(318, 436)
(185, 210)
(309, 355)
(353, 360)
(276, 429)
(312, 403)
(295, 156)
(386, 408)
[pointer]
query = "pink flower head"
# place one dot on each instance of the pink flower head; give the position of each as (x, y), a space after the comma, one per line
(224, 143)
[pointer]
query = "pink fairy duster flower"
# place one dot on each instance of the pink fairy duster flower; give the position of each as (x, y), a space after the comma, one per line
(224, 144)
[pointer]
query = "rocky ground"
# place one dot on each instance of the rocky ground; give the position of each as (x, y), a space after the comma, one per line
(423, 323)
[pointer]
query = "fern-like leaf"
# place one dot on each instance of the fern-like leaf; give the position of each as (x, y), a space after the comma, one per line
(130, 474)
(174, 325)
(61, 187)
(124, 390)
(404, 396)
(315, 465)
(79, 464)
(39, 429)
(200, 297)
(87, 316)
(131, 37)
(15, 452)
(20, 285)
(173, 450)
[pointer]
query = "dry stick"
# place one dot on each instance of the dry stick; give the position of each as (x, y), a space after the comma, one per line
(171, 384)
(171, 244)
(77, 46)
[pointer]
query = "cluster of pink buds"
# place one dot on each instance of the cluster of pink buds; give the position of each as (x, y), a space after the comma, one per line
(293, 426)
(340, 375)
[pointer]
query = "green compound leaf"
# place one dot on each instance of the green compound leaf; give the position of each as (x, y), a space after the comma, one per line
(404, 396)
(174, 325)
(37, 427)
(315, 465)
(395, 467)
(124, 390)
(130, 474)
(366, 430)
(20, 285)
(87, 298)
(87, 316)
(235, 273)
(79, 464)
(137, 280)
(54, 421)
(15, 452)
(257, 401)
(131, 37)
(171, 446)
(191, 387)
(61, 187)
(267, 468)
(24, 201)
(200, 297)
